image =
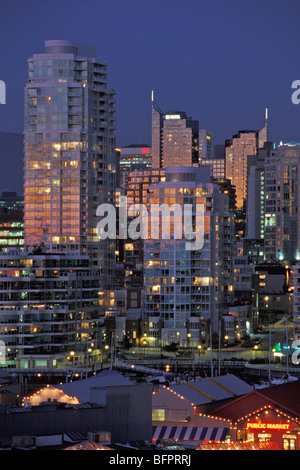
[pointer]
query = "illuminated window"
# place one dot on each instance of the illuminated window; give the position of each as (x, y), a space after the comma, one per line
(158, 414)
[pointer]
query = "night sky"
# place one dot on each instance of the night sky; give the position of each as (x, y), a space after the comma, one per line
(221, 61)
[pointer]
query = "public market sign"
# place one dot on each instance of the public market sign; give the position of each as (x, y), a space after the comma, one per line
(273, 426)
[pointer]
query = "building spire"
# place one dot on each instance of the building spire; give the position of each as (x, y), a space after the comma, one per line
(263, 130)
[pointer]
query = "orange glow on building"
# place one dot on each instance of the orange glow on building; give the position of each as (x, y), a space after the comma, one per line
(49, 394)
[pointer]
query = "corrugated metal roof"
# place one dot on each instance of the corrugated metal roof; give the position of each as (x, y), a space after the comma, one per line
(15, 410)
(209, 389)
(81, 388)
(285, 397)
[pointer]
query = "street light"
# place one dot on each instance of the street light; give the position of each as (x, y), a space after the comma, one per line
(199, 347)
(144, 343)
(106, 347)
(88, 350)
(189, 335)
(255, 348)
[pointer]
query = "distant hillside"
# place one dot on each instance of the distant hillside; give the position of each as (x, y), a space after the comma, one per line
(11, 161)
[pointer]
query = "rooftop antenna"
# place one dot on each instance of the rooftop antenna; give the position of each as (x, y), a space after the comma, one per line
(265, 124)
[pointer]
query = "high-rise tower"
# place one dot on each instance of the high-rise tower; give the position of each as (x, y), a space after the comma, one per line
(157, 125)
(282, 223)
(243, 144)
(175, 139)
(69, 144)
(187, 289)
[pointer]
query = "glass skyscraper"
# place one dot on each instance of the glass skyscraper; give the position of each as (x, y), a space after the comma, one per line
(206, 149)
(135, 156)
(175, 139)
(52, 292)
(69, 147)
(282, 222)
(237, 150)
(185, 288)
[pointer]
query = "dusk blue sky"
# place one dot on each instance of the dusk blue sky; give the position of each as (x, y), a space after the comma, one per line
(221, 61)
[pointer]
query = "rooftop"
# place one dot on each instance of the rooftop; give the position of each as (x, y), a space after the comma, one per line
(81, 388)
(208, 390)
(284, 397)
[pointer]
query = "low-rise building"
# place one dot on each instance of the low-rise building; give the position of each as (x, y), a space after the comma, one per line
(184, 411)
(271, 414)
(105, 403)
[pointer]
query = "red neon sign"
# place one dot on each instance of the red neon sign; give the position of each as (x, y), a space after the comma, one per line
(145, 150)
(270, 426)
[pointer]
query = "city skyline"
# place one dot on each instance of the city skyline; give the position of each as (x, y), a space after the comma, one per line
(150, 252)
(238, 61)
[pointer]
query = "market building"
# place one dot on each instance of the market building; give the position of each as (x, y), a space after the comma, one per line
(270, 415)
(182, 412)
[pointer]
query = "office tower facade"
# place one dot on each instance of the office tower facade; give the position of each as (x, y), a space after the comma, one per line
(49, 306)
(254, 249)
(206, 145)
(11, 221)
(135, 156)
(255, 207)
(296, 302)
(10, 200)
(255, 203)
(217, 166)
(187, 291)
(272, 290)
(281, 203)
(243, 280)
(237, 149)
(175, 139)
(157, 120)
(69, 141)
(130, 265)
(212, 156)
(227, 188)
